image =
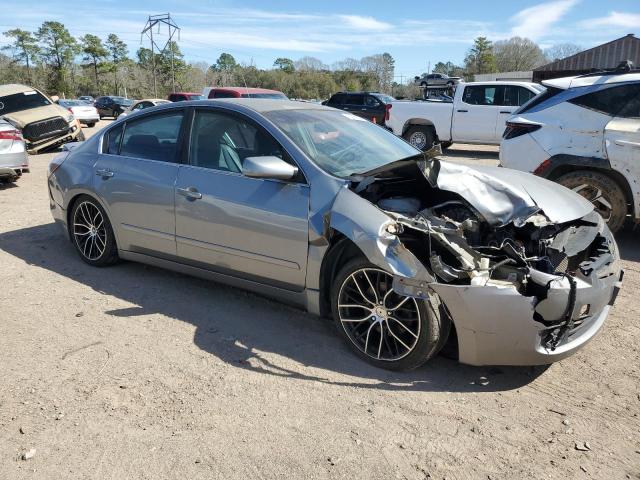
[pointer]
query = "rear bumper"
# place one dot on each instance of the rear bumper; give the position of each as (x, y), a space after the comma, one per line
(84, 119)
(522, 153)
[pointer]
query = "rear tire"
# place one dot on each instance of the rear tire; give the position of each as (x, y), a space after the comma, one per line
(606, 195)
(396, 332)
(420, 136)
(91, 233)
(91, 125)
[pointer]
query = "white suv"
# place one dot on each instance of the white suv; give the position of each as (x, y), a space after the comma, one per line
(584, 133)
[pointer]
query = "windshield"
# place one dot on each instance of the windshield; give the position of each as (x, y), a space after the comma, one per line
(22, 101)
(122, 101)
(339, 142)
(384, 98)
(72, 103)
(277, 96)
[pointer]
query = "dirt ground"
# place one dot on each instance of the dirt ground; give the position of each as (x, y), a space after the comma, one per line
(132, 372)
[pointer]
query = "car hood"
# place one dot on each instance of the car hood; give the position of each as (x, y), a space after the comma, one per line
(24, 117)
(503, 195)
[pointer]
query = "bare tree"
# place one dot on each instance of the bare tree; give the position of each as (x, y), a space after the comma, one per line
(517, 54)
(561, 50)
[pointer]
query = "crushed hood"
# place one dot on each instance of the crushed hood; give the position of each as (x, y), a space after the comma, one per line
(502, 195)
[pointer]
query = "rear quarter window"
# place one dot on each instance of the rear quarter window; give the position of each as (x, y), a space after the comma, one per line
(610, 101)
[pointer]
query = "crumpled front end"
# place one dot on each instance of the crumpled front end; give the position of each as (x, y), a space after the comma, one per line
(522, 286)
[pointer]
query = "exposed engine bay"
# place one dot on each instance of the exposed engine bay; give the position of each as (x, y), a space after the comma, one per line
(482, 232)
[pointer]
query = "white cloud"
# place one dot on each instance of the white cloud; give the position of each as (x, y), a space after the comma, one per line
(534, 22)
(614, 19)
(364, 23)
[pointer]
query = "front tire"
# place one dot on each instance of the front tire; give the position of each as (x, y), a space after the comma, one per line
(91, 233)
(91, 125)
(386, 329)
(602, 191)
(420, 136)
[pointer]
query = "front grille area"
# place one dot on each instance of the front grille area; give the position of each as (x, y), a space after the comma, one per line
(44, 129)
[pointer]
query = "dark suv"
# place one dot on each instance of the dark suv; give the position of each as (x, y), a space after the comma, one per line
(370, 105)
(112, 106)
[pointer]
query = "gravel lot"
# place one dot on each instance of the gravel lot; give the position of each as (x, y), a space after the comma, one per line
(132, 372)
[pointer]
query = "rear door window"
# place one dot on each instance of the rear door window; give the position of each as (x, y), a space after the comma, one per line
(153, 138)
(515, 96)
(609, 101)
(223, 94)
(355, 100)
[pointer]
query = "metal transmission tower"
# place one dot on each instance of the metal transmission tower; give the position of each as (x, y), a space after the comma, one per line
(160, 20)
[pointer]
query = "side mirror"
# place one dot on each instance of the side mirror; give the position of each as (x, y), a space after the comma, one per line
(268, 167)
(55, 98)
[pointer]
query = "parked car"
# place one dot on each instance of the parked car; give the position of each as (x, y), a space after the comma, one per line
(43, 124)
(142, 104)
(477, 114)
(584, 133)
(327, 211)
(87, 99)
(84, 113)
(184, 96)
(112, 106)
(437, 80)
(370, 105)
(14, 160)
(242, 92)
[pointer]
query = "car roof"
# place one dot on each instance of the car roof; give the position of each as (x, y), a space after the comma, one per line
(163, 100)
(13, 88)
(245, 89)
(591, 79)
(502, 82)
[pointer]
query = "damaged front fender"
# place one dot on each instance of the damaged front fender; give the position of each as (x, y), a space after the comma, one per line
(371, 230)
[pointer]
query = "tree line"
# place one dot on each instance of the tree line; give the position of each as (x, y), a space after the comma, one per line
(512, 55)
(58, 63)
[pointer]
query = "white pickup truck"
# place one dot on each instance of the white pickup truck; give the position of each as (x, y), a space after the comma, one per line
(476, 115)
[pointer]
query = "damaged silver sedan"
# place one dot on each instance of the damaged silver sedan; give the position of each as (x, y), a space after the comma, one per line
(324, 210)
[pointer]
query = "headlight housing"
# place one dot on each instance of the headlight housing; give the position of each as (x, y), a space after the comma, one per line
(70, 118)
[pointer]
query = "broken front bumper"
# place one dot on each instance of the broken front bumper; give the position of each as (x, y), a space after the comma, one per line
(497, 325)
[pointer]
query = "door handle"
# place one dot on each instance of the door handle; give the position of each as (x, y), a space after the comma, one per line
(505, 111)
(191, 193)
(462, 111)
(104, 173)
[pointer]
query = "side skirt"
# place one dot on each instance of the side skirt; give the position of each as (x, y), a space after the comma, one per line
(303, 299)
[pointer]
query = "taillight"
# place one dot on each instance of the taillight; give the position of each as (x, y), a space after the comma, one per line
(387, 111)
(11, 135)
(514, 130)
(542, 167)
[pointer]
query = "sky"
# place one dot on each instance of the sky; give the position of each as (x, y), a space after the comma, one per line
(416, 34)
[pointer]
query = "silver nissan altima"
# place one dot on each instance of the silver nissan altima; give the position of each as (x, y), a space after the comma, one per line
(322, 209)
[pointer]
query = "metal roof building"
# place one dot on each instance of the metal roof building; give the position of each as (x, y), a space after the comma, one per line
(607, 55)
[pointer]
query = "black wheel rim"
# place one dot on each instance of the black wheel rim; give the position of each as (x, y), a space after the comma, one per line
(89, 231)
(380, 323)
